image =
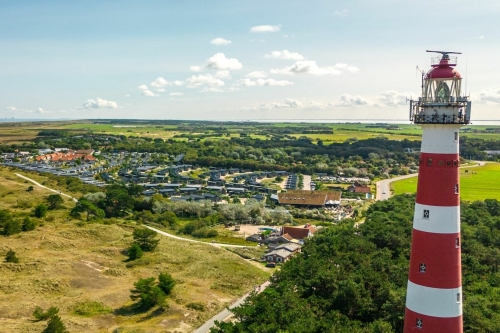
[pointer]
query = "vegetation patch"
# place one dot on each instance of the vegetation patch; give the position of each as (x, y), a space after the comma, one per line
(91, 308)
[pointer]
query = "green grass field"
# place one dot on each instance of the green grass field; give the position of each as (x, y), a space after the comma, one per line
(476, 183)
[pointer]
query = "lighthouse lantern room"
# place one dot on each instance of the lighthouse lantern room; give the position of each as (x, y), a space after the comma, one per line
(434, 293)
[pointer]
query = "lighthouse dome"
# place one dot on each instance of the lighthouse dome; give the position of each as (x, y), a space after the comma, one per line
(443, 72)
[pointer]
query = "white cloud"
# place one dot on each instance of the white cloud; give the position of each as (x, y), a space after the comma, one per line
(349, 100)
(159, 83)
(394, 98)
(145, 91)
(257, 74)
(160, 90)
(223, 75)
(264, 82)
(487, 96)
(212, 89)
(343, 13)
(310, 67)
(219, 61)
(203, 79)
(176, 94)
(220, 41)
(319, 105)
(149, 93)
(265, 28)
(480, 37)
(177, 83)
(285, 55)
(195, 68)
(99, 103)
(11, 108)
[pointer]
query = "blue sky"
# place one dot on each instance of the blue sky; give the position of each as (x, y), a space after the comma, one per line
(238, 60)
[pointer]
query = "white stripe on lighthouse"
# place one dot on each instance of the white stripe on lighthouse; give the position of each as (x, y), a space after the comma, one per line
(440, 139)
(434, 302)
(441, 220)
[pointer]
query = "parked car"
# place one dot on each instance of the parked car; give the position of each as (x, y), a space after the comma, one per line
(271, 264)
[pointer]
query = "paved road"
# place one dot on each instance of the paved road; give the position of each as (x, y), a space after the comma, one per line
(47, 188)
(384, 186)
(226, 313)
(163, 233)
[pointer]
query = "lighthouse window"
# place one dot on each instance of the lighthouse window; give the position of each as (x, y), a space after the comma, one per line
(426, 214)
(457, 242)
(456, 136)
(429, 161)
(419, 323)
(458, 297)
(448, 163)
(455, 163)
(456, 188)
(422, 268)
(442, 92)
(440, 163)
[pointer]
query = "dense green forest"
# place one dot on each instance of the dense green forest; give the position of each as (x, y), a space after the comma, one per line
(354, 280)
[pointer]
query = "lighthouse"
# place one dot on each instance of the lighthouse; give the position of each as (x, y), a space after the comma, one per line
(434, 293)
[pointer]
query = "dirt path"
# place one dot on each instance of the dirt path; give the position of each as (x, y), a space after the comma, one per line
(45, 187)
(163, 233)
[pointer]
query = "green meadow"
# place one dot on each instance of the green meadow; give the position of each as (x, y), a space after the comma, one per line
(477, 183)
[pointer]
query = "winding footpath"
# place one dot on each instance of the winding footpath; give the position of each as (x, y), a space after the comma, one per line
(163, 233)
(45, 187)
(384, 186)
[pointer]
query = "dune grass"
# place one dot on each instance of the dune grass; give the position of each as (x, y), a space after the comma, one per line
(82, 269)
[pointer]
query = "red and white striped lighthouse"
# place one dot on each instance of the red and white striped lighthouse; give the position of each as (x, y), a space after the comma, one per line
(434, 294)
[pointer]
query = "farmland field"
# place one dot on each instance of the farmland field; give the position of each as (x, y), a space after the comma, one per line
(476, 183)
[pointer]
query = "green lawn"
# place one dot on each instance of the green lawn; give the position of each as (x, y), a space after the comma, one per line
(476, 183)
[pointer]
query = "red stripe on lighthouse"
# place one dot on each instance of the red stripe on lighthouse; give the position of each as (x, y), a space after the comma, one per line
(435, 260)
(438, 180)
(431, 324)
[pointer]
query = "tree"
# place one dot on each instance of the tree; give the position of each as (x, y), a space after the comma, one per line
(11, 227)
(117, 202)
(41, 210)
(145, 238)
(166, 283)
(55, 325)
(86, 206)
(147, 293)
(30, 189)
(28, 224)
(135, 252)
(11, 257)
(40, 315)
(55, 201)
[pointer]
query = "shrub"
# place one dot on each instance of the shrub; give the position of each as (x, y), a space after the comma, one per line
(135, 252)
(145, 238)
(39, 314)
(147, 293)
(55, 325)
(11, 257)
(40, 210)
(197, 306)
(28, 224)
(12, 227)
(166, 283)
(90, 308)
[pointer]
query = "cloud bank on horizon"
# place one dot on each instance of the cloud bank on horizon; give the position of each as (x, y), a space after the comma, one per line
(342, 60)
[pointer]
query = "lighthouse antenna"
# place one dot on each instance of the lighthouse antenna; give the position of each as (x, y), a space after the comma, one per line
(444, 53)
(422, 73)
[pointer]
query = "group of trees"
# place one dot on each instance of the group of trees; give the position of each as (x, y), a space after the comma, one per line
(55, 324)
(149, 292)
(354, 280)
